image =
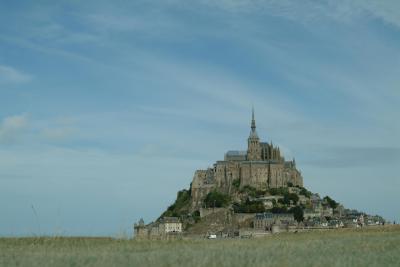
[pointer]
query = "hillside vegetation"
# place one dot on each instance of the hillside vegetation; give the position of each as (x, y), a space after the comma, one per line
(242, 200)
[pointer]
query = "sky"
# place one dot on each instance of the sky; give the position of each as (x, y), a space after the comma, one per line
(107, 108)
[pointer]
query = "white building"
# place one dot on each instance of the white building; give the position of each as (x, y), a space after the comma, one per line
(171, 225)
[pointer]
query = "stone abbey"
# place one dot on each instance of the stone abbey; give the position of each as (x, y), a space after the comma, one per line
(262, 166)
(237, 196)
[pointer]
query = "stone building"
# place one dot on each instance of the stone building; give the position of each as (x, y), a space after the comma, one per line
(171, 225)
(158, 230)
(262, 166)
(140, 230)
(264, 221)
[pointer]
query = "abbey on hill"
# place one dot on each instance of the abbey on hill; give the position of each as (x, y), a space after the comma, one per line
(262, 166)
(250, 193)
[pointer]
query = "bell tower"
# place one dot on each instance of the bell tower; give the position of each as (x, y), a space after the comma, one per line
(253, 142)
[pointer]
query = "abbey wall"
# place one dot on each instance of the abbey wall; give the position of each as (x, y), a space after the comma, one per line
(262, 166)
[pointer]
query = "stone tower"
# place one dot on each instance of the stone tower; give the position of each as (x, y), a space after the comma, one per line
(253, 142)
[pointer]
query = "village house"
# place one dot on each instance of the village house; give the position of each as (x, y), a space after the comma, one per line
(309, 214)
(264, 221)
(316, 201)
(171, 225)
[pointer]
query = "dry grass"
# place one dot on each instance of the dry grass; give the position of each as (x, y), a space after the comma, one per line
(357, 247)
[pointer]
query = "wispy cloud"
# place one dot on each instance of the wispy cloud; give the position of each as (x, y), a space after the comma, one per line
(309, 11)
(12, 127)
(10, 75)
(388, 10)
(126, 95)
(58, 134)
(54, 131)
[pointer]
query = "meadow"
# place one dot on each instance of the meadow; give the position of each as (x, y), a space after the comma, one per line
(378, 246)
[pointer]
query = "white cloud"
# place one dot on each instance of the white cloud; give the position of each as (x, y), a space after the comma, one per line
(10, 75)
(12, 127)
(310, 11)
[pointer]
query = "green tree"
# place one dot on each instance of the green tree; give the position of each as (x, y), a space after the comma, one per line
(216, 199)
(288, 198)
(278, 191)
(305, 192)
(298, 213)
(279, 210)
(293, 197)
(332, 203)
(236, 183)
(249, 207)
(196, 215)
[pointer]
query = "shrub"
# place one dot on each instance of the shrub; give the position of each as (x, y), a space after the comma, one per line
(251, 191)
(332, 203)
(305, 192)
(236, 183)
(279, 210)
(216, 199)
(288, 198)
(249, 207)
(180, 205)
(260, 193)
(278, 191)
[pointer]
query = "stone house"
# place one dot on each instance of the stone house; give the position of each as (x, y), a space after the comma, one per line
(309, 214)
(316, 201)
(264, 221)
(170, 225)
(327, 212)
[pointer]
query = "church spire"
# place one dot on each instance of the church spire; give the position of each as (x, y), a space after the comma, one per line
(253, 133)
(253, 142)
(253, 121)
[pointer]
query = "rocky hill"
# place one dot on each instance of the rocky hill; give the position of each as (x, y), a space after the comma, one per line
(223, 212)
(256, 184)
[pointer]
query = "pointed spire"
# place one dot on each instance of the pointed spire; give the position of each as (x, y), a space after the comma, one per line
(253, 121)
(253, 132)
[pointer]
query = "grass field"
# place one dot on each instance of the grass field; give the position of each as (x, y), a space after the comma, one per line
(356, 247)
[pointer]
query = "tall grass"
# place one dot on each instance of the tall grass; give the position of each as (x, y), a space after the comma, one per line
(357, 247)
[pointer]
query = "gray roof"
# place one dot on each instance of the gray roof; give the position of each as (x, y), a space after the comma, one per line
(236, 153)
(269, 215)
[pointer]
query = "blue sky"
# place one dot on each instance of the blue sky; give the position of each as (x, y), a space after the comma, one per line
(108, 108)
